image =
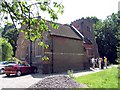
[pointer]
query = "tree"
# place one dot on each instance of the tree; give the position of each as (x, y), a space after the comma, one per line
(1, 29)
(30, 14)
(118, 37)
(11, 34)
(107, 37)
(6, 51)
(21, 12)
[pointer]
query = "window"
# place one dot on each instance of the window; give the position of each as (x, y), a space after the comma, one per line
(23, 53)
(38, 49)
(33, 49)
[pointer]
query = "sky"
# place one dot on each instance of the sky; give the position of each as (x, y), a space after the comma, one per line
(76, 9)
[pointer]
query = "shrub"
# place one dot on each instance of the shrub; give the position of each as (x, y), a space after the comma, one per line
(70, 73)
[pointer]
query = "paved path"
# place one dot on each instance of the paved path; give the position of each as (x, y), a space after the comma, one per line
(28, 80)
(91, 71)
(17, 82)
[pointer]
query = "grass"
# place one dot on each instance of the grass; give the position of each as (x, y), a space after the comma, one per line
(103, 79)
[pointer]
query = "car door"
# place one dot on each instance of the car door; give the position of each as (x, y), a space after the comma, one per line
(28, 68)
(24, 68)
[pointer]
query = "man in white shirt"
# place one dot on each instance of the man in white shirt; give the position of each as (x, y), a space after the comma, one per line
(93, 62)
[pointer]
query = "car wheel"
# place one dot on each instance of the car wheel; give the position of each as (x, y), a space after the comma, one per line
(2, 71)
(18, 73)
(8, 75)
(35, 70)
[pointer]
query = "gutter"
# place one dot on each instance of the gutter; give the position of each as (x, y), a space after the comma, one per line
(77, 32)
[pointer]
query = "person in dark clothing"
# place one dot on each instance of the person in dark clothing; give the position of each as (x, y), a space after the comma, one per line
(102, 64)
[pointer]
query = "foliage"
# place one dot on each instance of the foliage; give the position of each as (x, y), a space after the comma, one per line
(0, 48)
(11, 34)
(31, 16)
(118, 36)
(107, 37)
(45, 58)
(0, 44)
(15, 59)
(1, 29)
(70, 73)
(7, 50)
(102, 79)
(22, 12)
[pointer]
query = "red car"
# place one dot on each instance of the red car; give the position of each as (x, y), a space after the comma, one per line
(18, 69)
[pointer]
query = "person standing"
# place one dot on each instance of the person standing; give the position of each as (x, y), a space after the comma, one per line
(96, 62)
(93, 63)
(105, 61)
(99, 62)
(102, 64)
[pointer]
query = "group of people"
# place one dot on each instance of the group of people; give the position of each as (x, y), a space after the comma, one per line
(99, 62)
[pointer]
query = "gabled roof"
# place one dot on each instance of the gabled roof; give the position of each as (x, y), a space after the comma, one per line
(85, 39)
(77, 32)
(64, 31)
(68, 31)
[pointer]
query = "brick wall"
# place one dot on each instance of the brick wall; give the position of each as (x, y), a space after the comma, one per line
(68, 54)
(86, 28)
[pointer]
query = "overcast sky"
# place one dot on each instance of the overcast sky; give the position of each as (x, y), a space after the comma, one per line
(76, 9)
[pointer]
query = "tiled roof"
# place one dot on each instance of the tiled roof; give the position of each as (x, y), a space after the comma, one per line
(85, 39)
(64, 31)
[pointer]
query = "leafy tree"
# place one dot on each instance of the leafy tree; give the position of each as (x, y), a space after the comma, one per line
(30, 16)
(6, 51)
(1, 29)
(107, 37)
(22, 12)
(11, 34)
(118, 36)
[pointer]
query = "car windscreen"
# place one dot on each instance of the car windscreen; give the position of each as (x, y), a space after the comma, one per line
(2, 63)
(7, 62)
(11, 64)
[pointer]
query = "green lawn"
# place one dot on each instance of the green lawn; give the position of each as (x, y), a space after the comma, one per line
(103, 79)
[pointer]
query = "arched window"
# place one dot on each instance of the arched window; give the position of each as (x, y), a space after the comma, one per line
(38, 48)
